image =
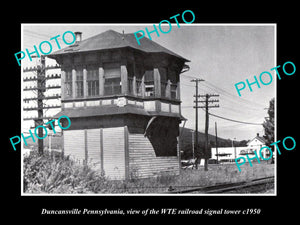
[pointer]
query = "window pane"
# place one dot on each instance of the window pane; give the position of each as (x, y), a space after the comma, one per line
(79, 82)
(112, 72)
(97, 88)
(149, 89)
(112, 86)
(68, 83)
(173, 91)
(68, 89)
(79, 74)
(79, 88)
(149, 76)
(92, 81)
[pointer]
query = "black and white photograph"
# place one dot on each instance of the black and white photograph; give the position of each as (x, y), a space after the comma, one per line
(131, 109)
(150, 112)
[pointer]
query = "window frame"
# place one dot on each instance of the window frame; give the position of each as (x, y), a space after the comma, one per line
(92, 81)
(68, 83)
(79, 90)
(112, 81)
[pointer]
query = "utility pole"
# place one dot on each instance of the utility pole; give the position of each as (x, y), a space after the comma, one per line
(41, 89)
(40, 94)
(193, 143)
(217, 143)
(207, 106)
(234, 149)
(196, 118)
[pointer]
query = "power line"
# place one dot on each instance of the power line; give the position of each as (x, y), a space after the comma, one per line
(28, 32)
(231, 95)
(237, 121)
(224, 92)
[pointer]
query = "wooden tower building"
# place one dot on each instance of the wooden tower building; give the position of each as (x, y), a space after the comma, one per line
(123, 100)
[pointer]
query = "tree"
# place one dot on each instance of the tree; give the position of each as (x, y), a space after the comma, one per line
(269, 126)
(242, 143)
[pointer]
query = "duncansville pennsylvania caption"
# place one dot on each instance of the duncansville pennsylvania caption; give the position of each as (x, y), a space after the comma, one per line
(148, 211)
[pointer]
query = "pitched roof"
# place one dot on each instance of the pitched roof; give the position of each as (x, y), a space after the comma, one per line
(111, 39)
(261, 139)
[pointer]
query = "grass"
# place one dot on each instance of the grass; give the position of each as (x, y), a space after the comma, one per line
(44, 174)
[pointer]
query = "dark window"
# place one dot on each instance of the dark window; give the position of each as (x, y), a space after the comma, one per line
(163, 81)
(92, 81)
(149, 83)
(79, 82)
(173, 91)
(163, 86)
(130, 85)
(130, 71)
(112, 76)
(112, 86)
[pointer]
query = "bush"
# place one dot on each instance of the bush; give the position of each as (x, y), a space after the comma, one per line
(44, 174)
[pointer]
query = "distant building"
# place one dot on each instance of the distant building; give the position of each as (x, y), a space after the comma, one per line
(123, 100)
(229, 154)
(256, 144)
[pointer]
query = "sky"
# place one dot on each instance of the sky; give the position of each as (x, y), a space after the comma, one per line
(221, 54)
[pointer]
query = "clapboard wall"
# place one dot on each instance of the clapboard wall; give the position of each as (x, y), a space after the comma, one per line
(102, 149)
(93, 148)
(74, 145)
(118, 153)
(113, 153)
(144, 163)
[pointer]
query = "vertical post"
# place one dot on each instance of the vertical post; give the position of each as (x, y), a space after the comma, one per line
(179, 153)
(62, 144)
(234, 149)
(41, 80)
(157, 84)
(85, 91)
(196, 121)
(179, 138)
(206, 133)
(101, 152)
(143, 86)
(62, 84)
(134, 91)
(124, 80)
(127, 177)
(193, 143)
(101, 81)
(217, 143)
(85, 148)
(168, 89)
(73, 83)
(196, 124)
(178, 91)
